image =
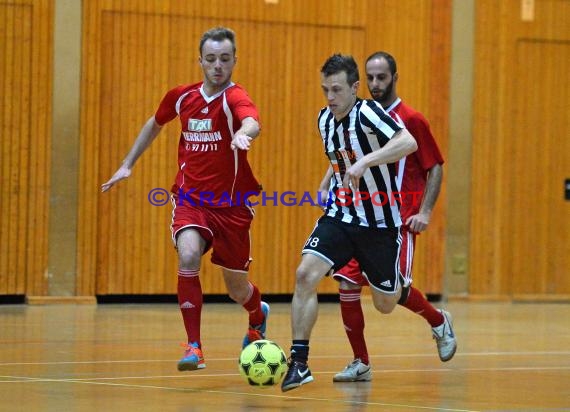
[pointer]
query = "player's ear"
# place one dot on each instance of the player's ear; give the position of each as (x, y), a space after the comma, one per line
(395, 77)
(355, 87)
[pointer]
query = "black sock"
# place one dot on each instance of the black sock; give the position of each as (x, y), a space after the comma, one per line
(300, 350)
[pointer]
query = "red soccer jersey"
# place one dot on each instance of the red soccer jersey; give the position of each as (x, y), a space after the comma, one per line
(417, 164)
(210, 173)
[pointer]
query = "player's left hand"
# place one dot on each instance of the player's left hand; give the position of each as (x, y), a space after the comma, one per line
(241, 141)
(418, 223)
(352, 176)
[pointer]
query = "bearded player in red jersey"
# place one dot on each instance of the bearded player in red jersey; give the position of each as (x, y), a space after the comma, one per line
(218, 123)
(418, 173)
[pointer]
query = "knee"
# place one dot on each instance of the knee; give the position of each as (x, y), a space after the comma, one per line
(189, 257)
(306, 279)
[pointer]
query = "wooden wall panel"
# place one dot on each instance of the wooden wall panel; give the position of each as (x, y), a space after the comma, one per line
(540, 155)
(25, 84)
(132, 78)
(520, 222)
(144, 48)
(487, 164)
(89, 156)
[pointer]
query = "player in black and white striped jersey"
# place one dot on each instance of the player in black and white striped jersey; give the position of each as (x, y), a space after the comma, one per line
(366, 128)
(362, 143)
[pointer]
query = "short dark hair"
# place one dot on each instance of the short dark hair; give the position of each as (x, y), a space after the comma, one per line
(389, 58)
(341, 63)
(218, 34)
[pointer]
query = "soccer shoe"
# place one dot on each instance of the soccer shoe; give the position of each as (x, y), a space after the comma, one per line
(356, 371)
(298, 374)
(192, 359)
(258, 332)
(444, 337)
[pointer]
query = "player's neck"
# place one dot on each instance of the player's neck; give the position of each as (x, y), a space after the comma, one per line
(210, 89)
(385, 103)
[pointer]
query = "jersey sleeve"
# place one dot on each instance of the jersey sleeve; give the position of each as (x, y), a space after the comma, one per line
(241, 104)
(428, 153)
(374, 117)
(167, 108)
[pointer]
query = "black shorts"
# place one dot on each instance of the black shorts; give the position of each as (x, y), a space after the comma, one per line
(377, 250)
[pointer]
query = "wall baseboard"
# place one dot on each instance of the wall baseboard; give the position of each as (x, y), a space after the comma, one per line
(49, 300)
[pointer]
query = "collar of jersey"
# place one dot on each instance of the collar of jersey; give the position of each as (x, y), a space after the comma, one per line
(214, 96)
(391, 107)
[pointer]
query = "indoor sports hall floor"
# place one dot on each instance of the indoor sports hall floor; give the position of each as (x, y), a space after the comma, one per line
(511, 356)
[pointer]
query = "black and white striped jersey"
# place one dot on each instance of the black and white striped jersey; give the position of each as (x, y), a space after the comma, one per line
(365, 129)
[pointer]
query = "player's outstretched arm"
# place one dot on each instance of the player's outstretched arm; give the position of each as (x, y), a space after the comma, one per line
(148, 133)
(248, 131)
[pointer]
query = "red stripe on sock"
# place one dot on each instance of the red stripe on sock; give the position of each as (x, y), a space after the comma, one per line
(188, 272)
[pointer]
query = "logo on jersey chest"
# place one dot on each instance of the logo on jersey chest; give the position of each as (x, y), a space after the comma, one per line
(200, 137)
(199, 125)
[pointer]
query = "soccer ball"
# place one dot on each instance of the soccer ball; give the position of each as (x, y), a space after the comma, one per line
(262, 363)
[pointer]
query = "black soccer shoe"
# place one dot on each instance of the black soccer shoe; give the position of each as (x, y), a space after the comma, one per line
(298, 374)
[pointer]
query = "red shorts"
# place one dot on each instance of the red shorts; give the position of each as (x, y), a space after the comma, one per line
(225, 230)
(352, 273)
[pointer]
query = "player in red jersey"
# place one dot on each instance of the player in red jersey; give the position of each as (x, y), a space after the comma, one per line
(419, 173)
(218, 123)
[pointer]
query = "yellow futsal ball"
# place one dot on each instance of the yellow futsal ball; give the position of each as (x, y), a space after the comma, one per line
(262, 363)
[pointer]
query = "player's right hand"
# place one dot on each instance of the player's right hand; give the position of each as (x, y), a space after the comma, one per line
(322, 198)
(120, 174)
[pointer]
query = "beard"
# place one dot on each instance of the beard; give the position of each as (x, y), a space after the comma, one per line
(382, 96)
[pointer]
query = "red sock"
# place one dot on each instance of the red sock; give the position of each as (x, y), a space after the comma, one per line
(353, 320)
(417, 303)
(253, 306)
(190, 302)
